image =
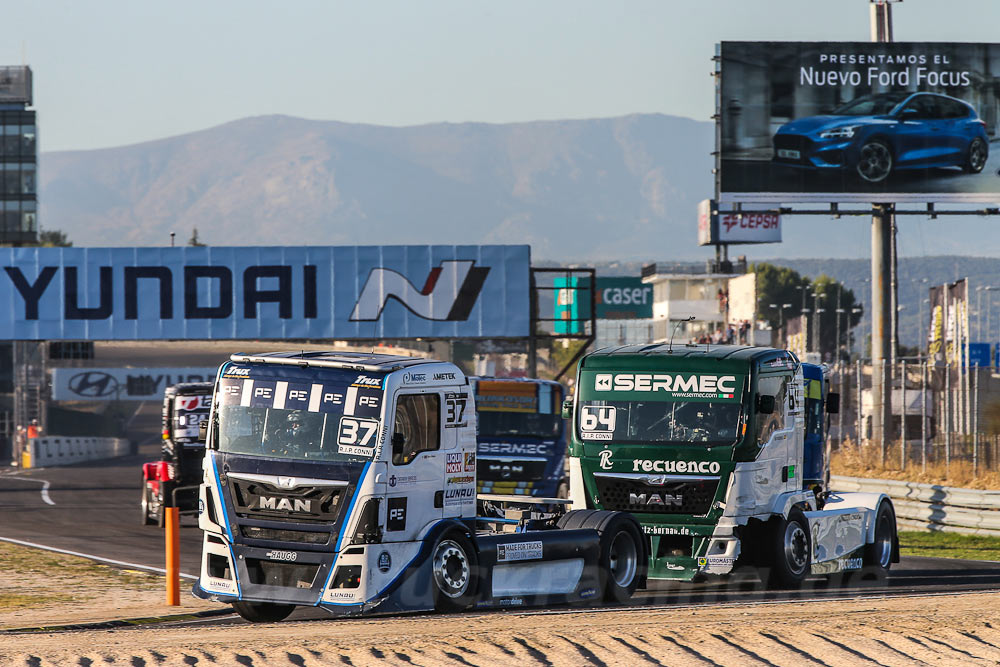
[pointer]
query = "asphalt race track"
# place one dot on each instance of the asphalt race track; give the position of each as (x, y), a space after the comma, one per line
(93, 509)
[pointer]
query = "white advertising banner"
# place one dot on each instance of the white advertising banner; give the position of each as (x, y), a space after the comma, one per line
(122, 384)
(749, 228)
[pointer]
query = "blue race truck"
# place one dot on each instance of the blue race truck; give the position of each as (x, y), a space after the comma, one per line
(522, 437)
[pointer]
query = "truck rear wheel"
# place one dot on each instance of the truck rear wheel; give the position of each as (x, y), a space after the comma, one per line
(623, 560)
(454, 569)
(790, 552)
(263, 612)
(146, 521)
(877, 556)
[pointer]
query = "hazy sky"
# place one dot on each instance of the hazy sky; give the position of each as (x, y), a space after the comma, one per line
(118, 72)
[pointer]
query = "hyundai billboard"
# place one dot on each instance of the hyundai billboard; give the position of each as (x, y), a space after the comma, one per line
(339, 292)
(858, 122)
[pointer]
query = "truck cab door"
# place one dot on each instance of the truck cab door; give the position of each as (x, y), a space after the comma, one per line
(416, 461)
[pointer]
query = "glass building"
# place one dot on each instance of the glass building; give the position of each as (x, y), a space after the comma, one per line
(18, 159)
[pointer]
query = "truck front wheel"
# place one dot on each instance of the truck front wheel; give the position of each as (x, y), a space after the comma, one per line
(263, 612)
(454, 568)
(623, 558)
(790, 552)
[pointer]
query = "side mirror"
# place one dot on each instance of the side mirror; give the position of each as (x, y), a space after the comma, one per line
(398, 440)
(832, 403)
(202, 431)
(765, 404)
(567, 409)
(909, 114)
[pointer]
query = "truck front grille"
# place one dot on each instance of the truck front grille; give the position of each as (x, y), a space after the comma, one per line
(274, 573)
(304, 504)
(673, 497)
(496, 470)
(281, 535)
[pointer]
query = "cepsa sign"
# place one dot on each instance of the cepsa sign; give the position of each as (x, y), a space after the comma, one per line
(732, 227)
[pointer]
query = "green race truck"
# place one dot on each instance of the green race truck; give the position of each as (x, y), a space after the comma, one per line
(705, 446)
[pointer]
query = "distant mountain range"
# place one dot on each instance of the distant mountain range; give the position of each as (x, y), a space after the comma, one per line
(618, 187)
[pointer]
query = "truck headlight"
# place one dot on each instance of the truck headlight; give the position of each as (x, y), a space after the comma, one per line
(845, 132)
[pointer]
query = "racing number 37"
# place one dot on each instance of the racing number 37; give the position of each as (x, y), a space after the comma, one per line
(456, 409)
(356, 431)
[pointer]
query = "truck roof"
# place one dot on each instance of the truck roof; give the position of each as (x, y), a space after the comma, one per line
(189, 389)
(335, 359)
(661, 352)
(490, 378)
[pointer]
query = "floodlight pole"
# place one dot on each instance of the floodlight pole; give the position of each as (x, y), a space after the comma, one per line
(883, 240)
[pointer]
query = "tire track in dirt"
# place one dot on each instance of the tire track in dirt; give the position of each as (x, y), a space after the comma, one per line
(961, 630)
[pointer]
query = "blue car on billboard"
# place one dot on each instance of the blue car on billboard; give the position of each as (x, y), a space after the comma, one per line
(876, 135)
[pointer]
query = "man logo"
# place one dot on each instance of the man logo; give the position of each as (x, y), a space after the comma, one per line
(602, 382)
(93, 384)
(449, 292)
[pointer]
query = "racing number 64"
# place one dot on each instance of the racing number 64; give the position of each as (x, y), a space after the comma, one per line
(597, 418)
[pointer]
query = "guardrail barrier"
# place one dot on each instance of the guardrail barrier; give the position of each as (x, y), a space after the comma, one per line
(55, 450)
(933, 506)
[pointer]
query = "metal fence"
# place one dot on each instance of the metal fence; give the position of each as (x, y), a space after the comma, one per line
(940, 416)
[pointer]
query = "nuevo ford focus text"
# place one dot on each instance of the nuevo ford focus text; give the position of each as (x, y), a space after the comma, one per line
(875, 135)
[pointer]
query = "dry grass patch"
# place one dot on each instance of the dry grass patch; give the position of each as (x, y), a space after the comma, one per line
(865, 460)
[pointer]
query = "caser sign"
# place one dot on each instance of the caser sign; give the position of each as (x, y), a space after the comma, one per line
(265, 292)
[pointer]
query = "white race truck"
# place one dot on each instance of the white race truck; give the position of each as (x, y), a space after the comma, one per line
(348, 482)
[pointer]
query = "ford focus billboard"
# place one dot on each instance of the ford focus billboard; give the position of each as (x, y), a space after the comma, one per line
(858, 122)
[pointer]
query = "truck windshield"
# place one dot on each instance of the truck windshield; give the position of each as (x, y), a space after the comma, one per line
(664, 407)
(507, 408)
(298, 414)
(519, 423)
(292, 434)
(189, 411)
(665, 422)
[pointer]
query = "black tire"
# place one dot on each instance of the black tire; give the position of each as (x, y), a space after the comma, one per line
(790, 552)
(263, 612)
(160, 513)
(577, 518)
(976, 158)
(624, 559)
(876, 559)
(454, 573)
(875, 161)
(147, 518)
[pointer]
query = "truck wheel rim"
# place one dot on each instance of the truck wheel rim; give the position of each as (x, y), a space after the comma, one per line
(145, 503)
(623, 559)
(796, 547)
(451, 569)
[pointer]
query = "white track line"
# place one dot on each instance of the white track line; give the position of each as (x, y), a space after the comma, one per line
(158, 570)
(45, 486)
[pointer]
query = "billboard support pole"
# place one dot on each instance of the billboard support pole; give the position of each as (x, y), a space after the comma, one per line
(883, 279)
(881, 374)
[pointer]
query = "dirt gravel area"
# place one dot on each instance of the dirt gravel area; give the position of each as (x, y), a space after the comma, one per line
(936, 630)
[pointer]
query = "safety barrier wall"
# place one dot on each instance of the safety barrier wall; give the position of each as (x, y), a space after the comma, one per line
(61, 451)
(932, 506)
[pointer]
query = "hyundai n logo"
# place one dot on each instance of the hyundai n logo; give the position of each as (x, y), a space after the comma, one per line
(449, 292)
(285, 504)
(93, 384)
